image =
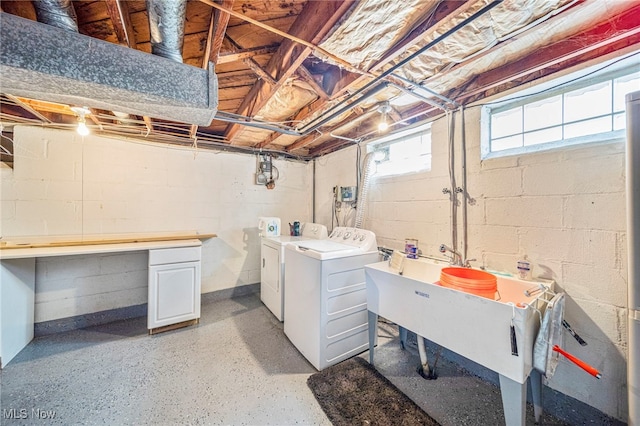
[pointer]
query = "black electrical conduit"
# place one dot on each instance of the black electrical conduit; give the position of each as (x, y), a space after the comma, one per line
(335, 111)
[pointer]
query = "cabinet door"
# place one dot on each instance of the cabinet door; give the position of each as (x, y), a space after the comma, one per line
(174, 293)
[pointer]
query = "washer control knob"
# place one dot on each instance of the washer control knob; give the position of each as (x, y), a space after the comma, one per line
(347, 235)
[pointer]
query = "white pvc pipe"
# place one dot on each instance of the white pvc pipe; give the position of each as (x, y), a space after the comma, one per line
(422, 350)
(633, 239)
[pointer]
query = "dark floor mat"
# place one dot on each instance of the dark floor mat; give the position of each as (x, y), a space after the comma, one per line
(354, 393)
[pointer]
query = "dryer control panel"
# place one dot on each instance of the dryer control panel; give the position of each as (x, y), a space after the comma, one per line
(362, 238)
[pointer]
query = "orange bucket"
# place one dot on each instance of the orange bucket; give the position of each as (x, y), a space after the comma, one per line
(469, 280)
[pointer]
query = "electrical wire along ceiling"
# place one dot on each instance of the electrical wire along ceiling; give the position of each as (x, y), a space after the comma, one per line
(301, 78)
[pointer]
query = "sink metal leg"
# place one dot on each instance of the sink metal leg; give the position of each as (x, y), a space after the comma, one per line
(514, 398)
(373, 331)
(403, 337)
(536, 392)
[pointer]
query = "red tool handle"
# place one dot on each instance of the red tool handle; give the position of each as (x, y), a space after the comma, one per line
(586, 367)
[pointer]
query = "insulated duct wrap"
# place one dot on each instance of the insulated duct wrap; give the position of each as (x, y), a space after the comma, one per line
(363, 191)
(166, 25)
(58, 13)
(43, 62)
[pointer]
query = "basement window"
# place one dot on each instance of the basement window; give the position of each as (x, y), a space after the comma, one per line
(6, 147)
(575, 113)
(405, 152)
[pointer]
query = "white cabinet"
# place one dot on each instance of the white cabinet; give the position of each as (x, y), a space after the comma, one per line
(174, 286)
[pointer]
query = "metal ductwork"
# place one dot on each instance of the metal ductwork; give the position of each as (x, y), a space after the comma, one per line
(166, 24)
(58, 13)
(363, 191)
(44, 62)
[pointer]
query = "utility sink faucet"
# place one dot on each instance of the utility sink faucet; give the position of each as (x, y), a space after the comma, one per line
(456, 257)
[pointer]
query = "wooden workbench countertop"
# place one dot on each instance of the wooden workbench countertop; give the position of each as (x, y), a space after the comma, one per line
(31, 242)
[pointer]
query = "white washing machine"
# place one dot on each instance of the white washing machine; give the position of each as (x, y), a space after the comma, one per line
(273, 265)
(326, 301)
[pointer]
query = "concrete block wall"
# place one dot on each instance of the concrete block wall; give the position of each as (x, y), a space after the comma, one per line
(335, 169)
(62, 184)
(564, 209)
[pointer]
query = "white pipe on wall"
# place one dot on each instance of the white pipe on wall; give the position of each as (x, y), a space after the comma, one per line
(633, 238)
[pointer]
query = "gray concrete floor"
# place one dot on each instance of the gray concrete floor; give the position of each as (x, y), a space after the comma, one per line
(236, 367)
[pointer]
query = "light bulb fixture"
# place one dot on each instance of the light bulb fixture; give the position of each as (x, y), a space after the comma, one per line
(82, 129)
(383, 125)
(384, 109)
(81, 112)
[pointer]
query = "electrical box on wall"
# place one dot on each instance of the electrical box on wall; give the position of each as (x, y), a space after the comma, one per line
(347, 194)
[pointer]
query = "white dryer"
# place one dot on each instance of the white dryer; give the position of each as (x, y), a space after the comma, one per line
(326, 300)
(273, 265)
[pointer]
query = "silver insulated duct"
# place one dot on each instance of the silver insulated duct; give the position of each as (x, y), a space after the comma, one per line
(363, 191)
(58, 13)
(166, 24)
(44, 62)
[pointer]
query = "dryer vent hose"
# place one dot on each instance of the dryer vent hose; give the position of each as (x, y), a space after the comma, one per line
(363, 191)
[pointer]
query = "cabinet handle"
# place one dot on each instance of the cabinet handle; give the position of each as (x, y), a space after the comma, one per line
(263, 262)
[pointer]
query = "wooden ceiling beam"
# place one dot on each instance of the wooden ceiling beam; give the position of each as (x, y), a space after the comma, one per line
(217, 29)
(273, 136)
(261, 73)
(314, 22)
(304, 112)
(241, 54)
(308, 77)
(349, 121)
(215, 37)
(320, 52)
(443, 15)
(252, 64)
(119, 13)
(25, 104)
(613, 35)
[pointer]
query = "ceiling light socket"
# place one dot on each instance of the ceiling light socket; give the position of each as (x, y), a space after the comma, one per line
(81, 111)
(384, 108)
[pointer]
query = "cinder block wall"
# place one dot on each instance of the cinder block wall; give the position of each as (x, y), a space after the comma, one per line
(64, 185)
(564, 209)
(333, 170)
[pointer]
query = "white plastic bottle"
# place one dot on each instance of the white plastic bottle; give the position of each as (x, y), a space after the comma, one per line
(524, 269)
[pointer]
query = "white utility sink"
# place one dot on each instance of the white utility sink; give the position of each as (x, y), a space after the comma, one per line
(472, 326)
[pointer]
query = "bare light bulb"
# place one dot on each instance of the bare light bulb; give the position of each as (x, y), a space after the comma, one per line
(82, 129)
(384, 109)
